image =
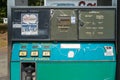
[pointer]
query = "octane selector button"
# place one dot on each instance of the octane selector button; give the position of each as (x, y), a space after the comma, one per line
(23, 53)
(34, 53)
(46, 53)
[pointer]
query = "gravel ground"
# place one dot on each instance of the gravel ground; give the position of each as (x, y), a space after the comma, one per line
(3, 64)
(3, 57)
(4, 78)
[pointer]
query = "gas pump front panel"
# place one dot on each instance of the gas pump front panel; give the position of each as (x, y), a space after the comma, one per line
(45, 61)
(58, 58)
(63, 52)
(63, 24)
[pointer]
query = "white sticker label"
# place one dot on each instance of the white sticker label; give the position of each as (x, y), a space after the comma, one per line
(71, 54)
(109, 51)
(70, 46)
(73, 20)
(17, 25)
(29, 24)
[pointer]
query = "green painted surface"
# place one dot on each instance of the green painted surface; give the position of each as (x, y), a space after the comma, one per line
(76, 71)
(15, 71)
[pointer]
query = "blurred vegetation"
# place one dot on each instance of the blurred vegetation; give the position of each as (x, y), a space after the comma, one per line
(3, 10)
(35, 2)
(3, 7)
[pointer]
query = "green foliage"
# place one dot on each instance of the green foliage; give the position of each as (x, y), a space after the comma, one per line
(3, 9)
(35, 2)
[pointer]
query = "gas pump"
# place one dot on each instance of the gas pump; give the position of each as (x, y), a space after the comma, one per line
(72, 43)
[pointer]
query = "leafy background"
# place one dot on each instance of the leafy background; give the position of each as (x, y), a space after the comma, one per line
(3, 14)
(3, 35)
(3, 7)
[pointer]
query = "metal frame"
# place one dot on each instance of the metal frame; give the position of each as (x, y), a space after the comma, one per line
(118, 41)
(10, 3)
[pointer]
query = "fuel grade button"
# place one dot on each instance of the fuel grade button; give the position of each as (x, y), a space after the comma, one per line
(46, 54)
(34, 54)
(23, 53)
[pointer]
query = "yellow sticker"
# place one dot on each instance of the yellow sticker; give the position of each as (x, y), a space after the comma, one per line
(23, 53)
(34, 53)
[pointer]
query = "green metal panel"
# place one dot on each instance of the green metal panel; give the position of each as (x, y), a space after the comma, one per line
(15, 71)
(97, 24)
(76, 71)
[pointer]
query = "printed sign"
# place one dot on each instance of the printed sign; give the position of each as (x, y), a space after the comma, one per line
(29, 24)
(109, 51)
(73, 19)
(87, 3)
(71, 3)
